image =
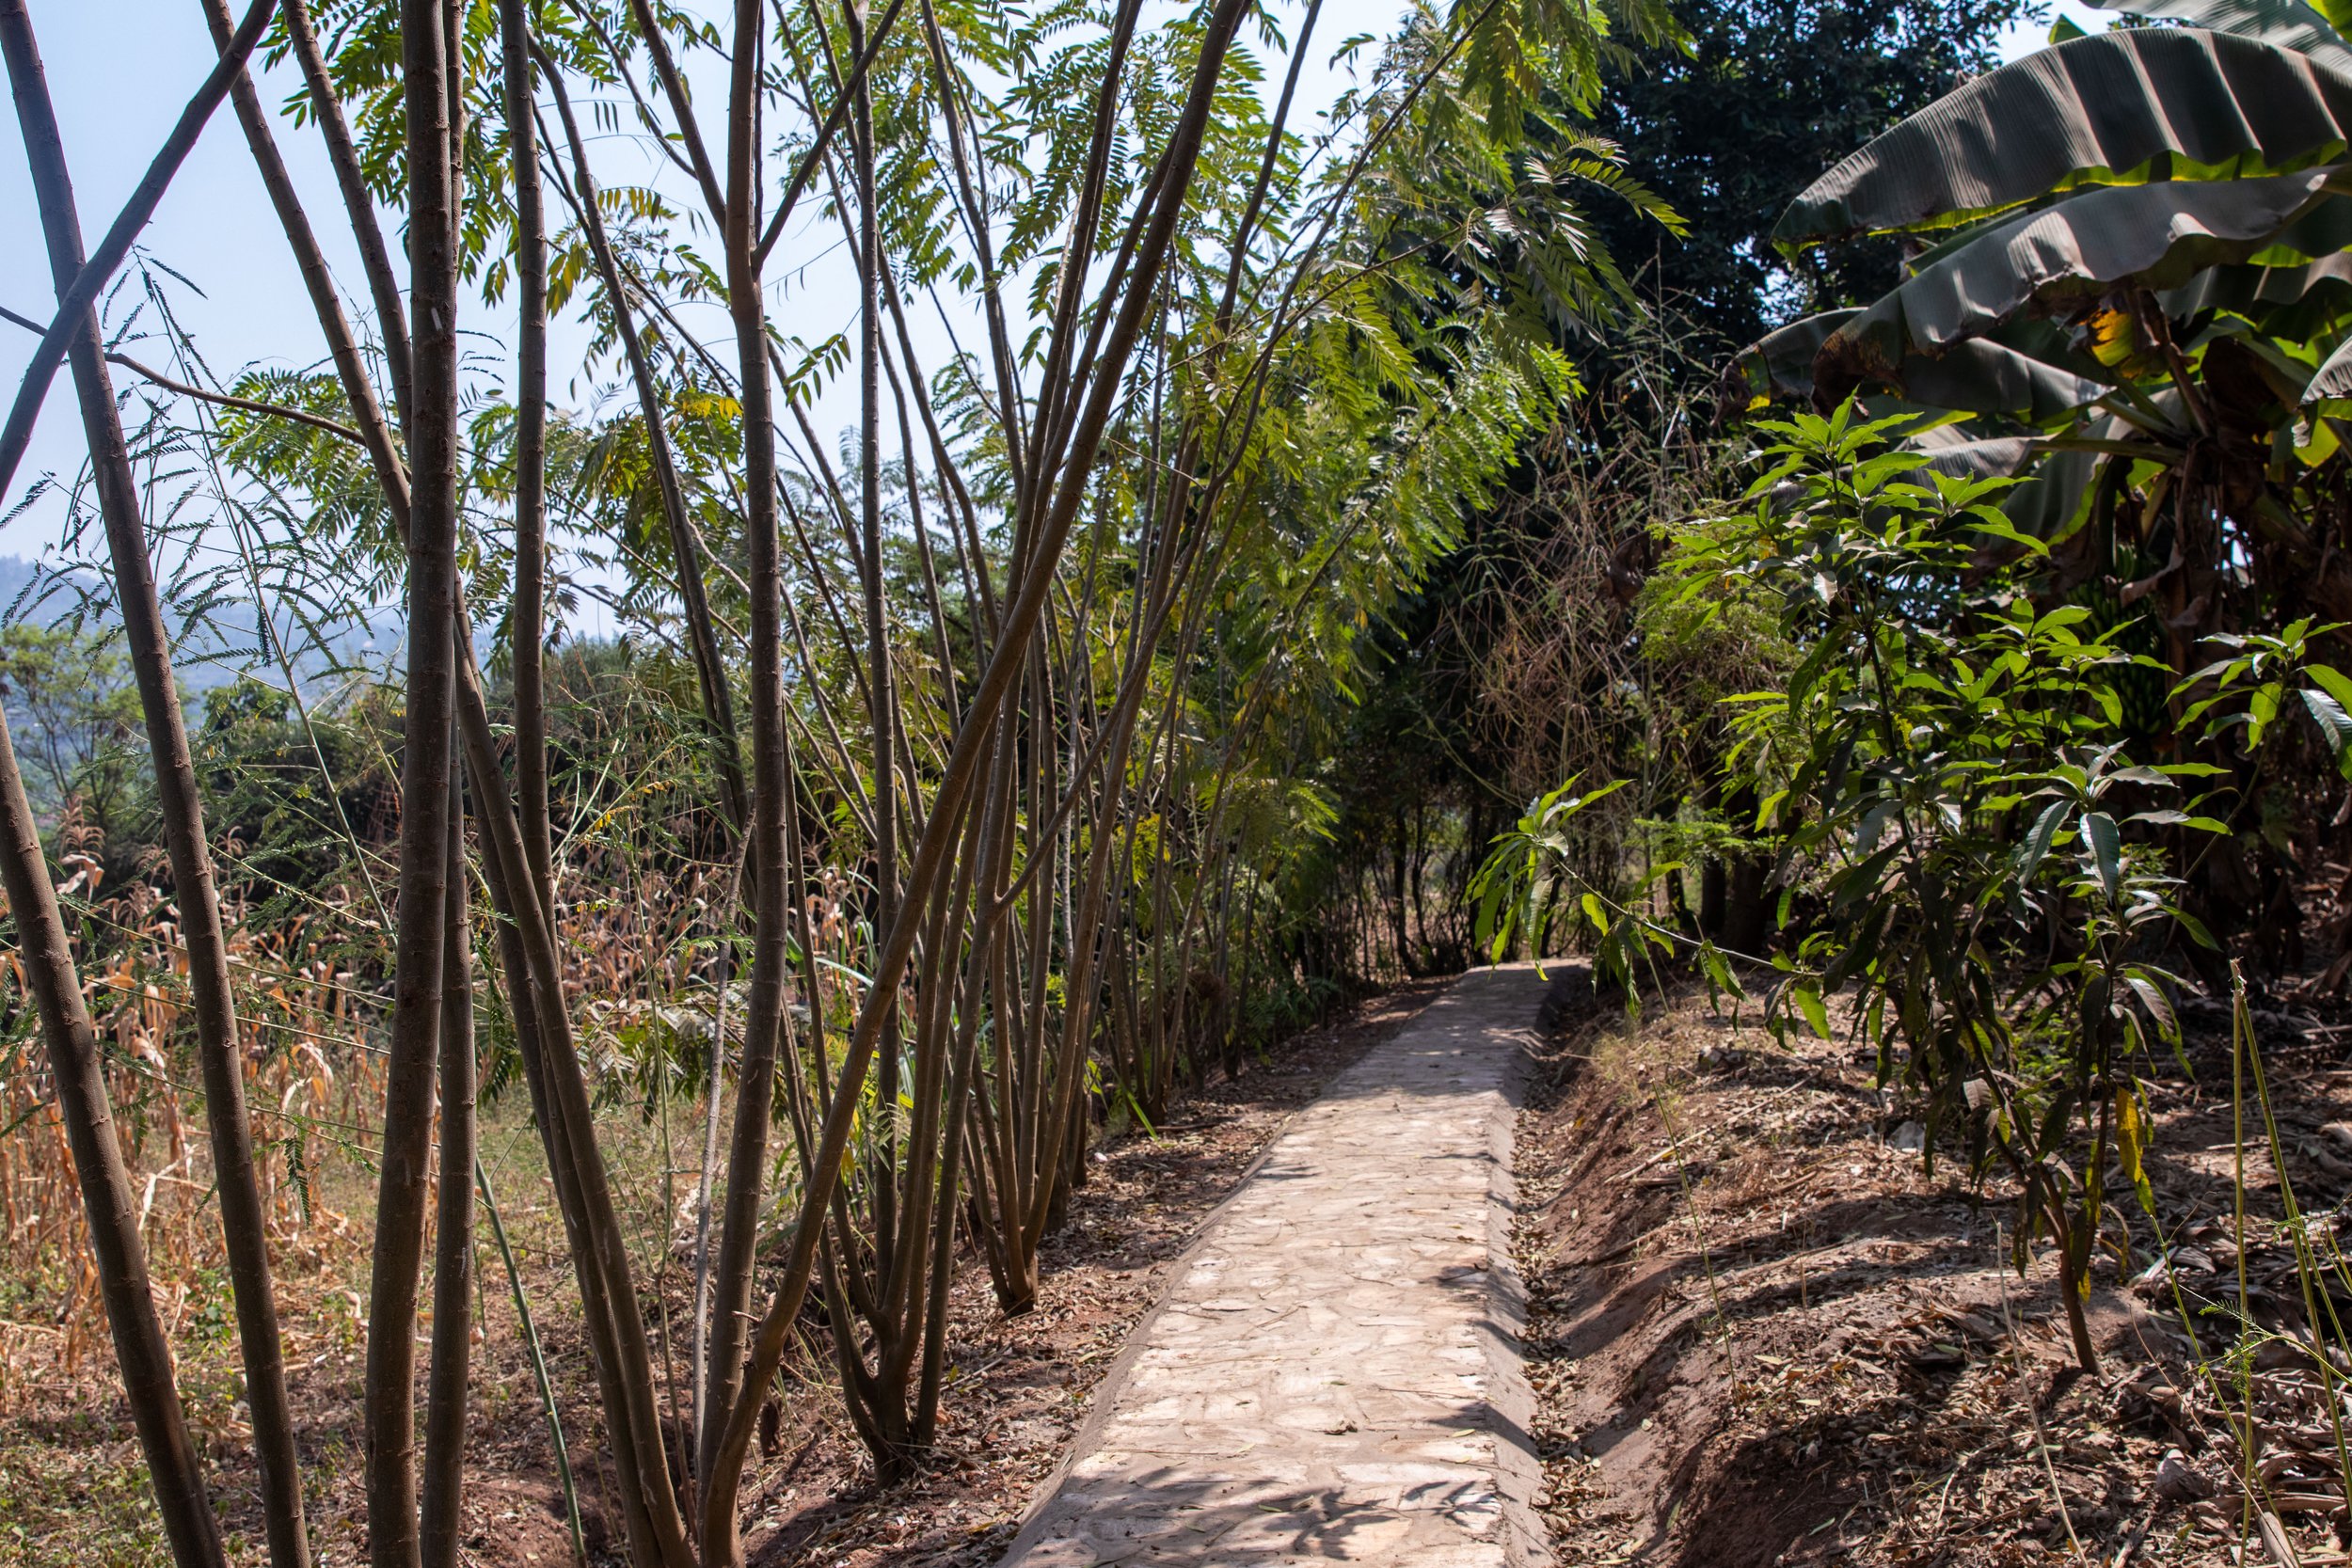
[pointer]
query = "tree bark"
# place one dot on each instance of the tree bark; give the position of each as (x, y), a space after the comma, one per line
(442, 1512)
(881, 686)
(527, 616)
(243, 1229)
(417, 977)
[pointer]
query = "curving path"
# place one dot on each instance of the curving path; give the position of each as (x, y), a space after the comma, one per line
(1334, 1374)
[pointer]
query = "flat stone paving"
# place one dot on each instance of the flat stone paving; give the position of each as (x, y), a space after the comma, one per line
(1334, 1374)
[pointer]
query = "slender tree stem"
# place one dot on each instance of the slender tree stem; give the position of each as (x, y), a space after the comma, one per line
(351, 182)
(77, 298)
(393, 1539)
(220, 1056)
(442, 1510)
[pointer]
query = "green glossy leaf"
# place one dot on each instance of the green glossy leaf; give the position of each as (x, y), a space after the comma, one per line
(2335, 726)
(2106, 849)
(2331, 681)
(1808, 1002)
(2037, 844)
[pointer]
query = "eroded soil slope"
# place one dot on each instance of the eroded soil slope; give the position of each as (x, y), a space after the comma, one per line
(1762, 1332)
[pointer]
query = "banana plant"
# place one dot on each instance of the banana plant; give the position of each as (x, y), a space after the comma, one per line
(2130, 288)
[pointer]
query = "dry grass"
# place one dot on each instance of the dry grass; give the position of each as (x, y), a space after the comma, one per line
(72, 1484)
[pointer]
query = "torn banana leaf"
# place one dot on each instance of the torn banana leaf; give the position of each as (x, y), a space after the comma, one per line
(2105, 109)
(2095, 243)
(2018, 374)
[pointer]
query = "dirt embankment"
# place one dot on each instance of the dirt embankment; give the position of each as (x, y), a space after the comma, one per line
(1763, 1332)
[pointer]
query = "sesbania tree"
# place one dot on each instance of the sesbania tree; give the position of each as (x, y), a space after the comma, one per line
(996, 709)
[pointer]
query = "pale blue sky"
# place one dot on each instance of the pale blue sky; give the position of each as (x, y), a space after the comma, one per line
(2023, 39)
(119, 71)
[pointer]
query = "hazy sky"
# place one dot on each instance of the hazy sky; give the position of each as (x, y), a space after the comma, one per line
(119, 71)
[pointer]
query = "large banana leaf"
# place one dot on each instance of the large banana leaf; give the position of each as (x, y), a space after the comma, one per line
(1953, 450)
(2051, 503)
(2332, 385)
(1780, 363)
(2107, 108)
(2294, 303)
(2016, 376)
(1985, 377)
(2097, 240)
(2287, 23)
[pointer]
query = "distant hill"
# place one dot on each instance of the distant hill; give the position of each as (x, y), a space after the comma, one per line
(212, 656)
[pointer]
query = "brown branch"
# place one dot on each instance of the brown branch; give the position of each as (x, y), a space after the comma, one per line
(249, 405)
(112, 250)
(169, 384)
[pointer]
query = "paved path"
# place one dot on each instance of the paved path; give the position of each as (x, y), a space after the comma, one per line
(1333, 1376)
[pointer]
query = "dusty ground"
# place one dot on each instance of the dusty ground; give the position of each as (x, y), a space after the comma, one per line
(1761, 1334)
(73, 1490)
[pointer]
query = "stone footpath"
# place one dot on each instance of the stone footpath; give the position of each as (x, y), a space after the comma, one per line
(1334, 1375)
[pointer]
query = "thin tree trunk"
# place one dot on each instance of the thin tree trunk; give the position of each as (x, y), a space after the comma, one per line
(342, 342)
(140, 1351)
(351, 180)
(546, 1110)
(771, 782)
(415, 1028)
(881, 686)
(442, 1512)
(243, 1229)
(78, 298)
(718, 1063)
(600, 1252)
(527, 616)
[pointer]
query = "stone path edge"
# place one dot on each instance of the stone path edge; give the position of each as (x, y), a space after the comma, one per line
(1103, 1401)
(1510, 1397)
(1518, 1469)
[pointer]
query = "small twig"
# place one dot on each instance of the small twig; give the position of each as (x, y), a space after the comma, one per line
(171, 384)
(1672, 1151)
(2131, 1542)
(2041, 1440)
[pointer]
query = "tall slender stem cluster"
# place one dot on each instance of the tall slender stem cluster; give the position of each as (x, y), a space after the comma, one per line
(994, 850)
